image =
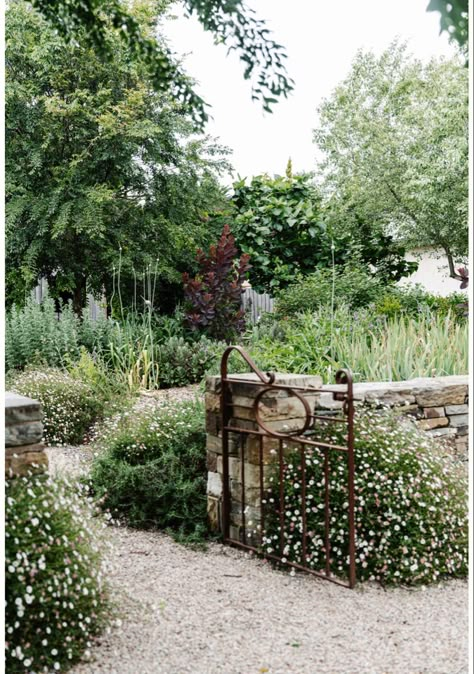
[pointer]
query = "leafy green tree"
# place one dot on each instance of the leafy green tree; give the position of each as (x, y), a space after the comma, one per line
(281, 224)
(100, 169)
(229, 20)
(454, 19)
(395, 144)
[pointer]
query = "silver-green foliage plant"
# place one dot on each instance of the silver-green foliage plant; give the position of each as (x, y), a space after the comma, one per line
(36, 334)
(411, 505)
(70, 406)
(55, 571)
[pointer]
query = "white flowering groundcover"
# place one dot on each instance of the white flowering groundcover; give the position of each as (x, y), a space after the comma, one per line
(56, 598)
(410, 505)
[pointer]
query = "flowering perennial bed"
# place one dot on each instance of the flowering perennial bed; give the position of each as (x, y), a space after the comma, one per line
(56, 598)
(411, 505)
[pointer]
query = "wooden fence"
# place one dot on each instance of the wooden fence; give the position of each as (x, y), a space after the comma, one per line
(256, 304)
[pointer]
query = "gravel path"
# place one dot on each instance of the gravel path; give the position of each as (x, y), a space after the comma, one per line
(220, 611)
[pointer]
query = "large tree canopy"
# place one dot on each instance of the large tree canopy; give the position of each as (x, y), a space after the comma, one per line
(229, 20)
(394, 136)
(99, 166)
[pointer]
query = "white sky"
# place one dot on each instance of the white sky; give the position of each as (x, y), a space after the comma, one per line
(321, 39)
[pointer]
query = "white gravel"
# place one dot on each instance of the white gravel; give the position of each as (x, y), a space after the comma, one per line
(220, 611)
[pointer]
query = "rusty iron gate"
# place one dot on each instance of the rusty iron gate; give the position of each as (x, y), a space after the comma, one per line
(303, 442)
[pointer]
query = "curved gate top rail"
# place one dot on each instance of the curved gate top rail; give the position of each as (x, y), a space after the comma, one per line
(235, 503)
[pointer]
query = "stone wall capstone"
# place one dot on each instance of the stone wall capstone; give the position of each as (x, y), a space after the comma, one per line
(439, 406)
(23, 433)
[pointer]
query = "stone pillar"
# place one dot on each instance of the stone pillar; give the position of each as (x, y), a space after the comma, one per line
(280, 412)
(23, 433)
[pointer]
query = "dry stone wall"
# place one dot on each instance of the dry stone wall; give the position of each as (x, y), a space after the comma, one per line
(23, 433)
(439, 406)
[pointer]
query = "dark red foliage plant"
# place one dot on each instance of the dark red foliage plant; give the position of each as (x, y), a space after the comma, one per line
(214, 296)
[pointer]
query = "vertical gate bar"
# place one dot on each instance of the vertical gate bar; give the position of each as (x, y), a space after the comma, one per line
(225, 411)
(282, 496)
(242, 479)
(262, 514)
(351, 469)
(326, 509)
(303, 500)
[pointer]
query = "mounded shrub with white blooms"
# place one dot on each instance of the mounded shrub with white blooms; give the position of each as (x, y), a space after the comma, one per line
(70, 406)
(56, 597)
(150, 469)
(411, 505)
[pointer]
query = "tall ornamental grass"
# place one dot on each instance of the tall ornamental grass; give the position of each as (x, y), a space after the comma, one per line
(373, 347)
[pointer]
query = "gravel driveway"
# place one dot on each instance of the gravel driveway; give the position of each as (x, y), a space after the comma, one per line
(220, 611)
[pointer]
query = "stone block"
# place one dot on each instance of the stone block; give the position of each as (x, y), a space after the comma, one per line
(214, 443)
(213, 513)
(459, 420)
(25, 433)
(214, 484)
(212, 402)
(462, 431)
(213, 422)
(251, 494)
(269, 449)
(18, 465)
(21, 449)
(439, 394)
(457, 409)
(433, 412)
(19, 409)
(211, 461)
(447, 432)
(435, 422)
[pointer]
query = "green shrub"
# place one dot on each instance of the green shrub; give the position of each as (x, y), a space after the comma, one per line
(415, 300)
(70, 406)
(410, 505)
(151, 468)
(183, 362)
(353, 287)
(56, 597)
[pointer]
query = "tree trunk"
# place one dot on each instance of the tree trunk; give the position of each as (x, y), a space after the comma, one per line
(79, 295)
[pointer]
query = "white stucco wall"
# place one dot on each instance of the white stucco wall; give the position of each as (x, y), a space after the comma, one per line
(432, 272)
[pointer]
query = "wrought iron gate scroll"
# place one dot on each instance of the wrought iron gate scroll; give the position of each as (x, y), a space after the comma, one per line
(304, 437)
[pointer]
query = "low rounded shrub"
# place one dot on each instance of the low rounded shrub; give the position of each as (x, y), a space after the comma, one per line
(410, 498)
(151, 468)
(56, 598)
(70, 406)
(354, 287)
(184, 362)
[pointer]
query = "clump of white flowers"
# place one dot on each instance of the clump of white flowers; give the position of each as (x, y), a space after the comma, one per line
(69, 405)
(56, 597)
(411, 505)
